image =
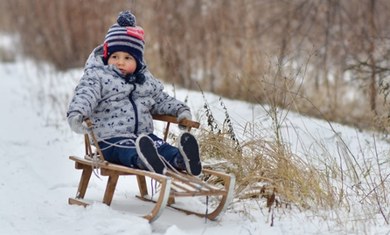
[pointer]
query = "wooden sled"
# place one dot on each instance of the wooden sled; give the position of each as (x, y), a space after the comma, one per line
(172, 185)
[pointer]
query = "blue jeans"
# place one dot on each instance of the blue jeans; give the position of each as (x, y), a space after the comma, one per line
(124, 152)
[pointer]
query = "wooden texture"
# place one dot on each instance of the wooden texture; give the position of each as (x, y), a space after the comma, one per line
(172, 185)
(163, 180)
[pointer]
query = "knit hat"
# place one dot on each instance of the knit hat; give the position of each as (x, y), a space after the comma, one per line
(125, 36)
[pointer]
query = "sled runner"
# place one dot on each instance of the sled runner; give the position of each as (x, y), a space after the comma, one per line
(172, 185)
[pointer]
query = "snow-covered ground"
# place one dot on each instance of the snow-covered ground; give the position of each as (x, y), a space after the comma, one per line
(36, 176)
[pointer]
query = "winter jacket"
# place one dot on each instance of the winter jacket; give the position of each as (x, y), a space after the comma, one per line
(120, 106)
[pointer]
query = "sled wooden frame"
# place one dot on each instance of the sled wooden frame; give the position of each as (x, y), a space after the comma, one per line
(173, 184)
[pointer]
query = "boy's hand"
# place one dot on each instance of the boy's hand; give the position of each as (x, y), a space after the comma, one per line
(76, 123)
(185, 114)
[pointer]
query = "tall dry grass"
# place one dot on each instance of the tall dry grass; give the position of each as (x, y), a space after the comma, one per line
(228, 47)
(62, 33)
(350, 185)
(263, 167)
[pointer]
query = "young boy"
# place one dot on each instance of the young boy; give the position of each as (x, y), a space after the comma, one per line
(120, 95)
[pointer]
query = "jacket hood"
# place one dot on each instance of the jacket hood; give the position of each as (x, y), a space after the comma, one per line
(95, 59)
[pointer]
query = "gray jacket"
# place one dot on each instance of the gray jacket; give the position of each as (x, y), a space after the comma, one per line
(119, 106)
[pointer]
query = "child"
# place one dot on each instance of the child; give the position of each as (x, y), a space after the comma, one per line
(119, 95)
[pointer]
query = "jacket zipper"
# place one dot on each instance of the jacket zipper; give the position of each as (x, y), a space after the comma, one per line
(134, 108)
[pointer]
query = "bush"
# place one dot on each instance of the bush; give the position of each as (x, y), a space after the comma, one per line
(230, 48)
(61, 32)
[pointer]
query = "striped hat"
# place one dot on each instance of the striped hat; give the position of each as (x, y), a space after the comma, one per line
(125, 36)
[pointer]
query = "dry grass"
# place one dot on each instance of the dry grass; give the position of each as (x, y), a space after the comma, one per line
(268, 168)
(6, 55)
(60, 32)
(210, 52)
(263, 168)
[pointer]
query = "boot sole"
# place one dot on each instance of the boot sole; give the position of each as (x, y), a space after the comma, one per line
(148, 154)
(189, 149)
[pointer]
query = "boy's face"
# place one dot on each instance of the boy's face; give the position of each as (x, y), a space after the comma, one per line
(123, 61)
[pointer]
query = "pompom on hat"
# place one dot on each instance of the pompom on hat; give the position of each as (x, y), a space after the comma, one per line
(125, 36)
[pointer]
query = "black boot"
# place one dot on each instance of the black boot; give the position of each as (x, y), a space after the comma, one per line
(148, 154)
(189, 149)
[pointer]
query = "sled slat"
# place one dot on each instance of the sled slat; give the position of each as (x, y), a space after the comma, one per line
(79, 202)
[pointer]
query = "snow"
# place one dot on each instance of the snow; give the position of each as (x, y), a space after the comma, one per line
(36, 177)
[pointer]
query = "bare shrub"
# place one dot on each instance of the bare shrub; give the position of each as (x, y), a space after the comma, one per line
(6, 56)
(61, 32)
(316, 180)
(228, 46)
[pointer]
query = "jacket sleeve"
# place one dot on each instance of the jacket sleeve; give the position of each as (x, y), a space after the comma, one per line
(164, 103)
(86, 95)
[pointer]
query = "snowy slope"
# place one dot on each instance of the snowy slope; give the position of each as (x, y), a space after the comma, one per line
(36, 177)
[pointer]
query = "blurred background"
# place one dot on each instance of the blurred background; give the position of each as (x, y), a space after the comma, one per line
(322, 58)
